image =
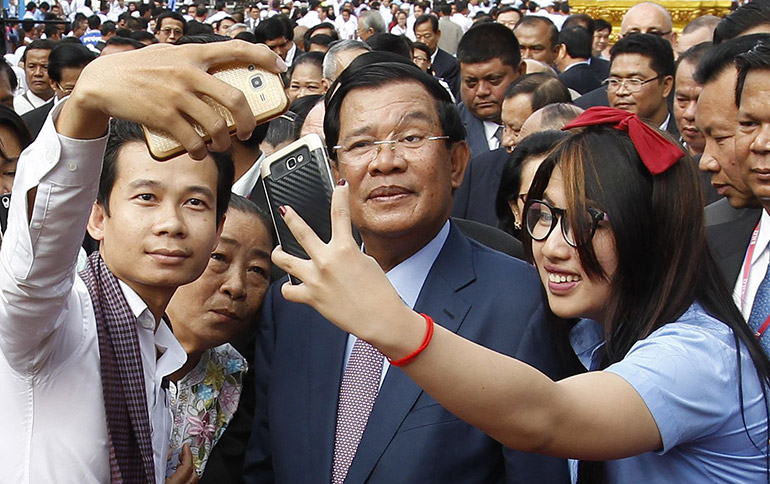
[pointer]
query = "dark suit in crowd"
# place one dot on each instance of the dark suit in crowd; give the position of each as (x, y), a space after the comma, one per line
(475, 199)
(445, 66)
(478, 293)
(580, 78)
(728, 233)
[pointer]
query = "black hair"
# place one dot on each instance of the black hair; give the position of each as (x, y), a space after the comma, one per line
(246, 36)
(427, 18)
(362, 74)
(654, 47)
(68, 55)
(94, 22)
(313, 58)
(758, 58)
(745, 17)
(197, 28)
(172, 15)
(577, 40)
(10, 73)
(13, 121)
(601, 24)
(284, 128)
(319, 39)
(422, 47)
(302, 106)
(395, 44)
(274, 28)
(582, 19)
(108, 27)
(544, 88)
(244, 205)
(43, 44)
(722, 56)
(123, 132)
(487, 41)
(694, 54)
(51, 30)
(536, 144)
(141, 35)
(532, 20)
(117, 40)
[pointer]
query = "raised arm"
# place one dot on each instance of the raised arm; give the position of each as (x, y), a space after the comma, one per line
(595, 416)
(58, 175)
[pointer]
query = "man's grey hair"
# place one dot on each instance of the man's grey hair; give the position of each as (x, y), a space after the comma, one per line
(372, 19)
(330, 59)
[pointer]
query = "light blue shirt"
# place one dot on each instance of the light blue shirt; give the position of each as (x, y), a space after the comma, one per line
(407, 279)
(687, 374)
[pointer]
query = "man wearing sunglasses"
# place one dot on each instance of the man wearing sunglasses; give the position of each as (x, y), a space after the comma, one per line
(641, 78)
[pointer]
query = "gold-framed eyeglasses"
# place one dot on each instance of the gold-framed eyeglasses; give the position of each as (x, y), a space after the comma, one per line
(66, 90)
(631, 85)
(363, 150)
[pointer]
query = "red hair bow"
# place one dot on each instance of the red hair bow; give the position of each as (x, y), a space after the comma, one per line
(657, 152)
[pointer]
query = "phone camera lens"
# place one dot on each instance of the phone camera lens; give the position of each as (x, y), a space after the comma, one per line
(256, 82)
(300, 158)
(291, 163)
(252, 67)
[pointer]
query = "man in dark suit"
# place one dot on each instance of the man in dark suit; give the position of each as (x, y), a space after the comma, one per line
(400, 200)
(490, 60)
(731, 221)
(426, 30)
(65, 63)
(641, 79)
(572, 54)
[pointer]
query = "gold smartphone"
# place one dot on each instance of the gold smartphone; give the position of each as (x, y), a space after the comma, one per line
(264, 92)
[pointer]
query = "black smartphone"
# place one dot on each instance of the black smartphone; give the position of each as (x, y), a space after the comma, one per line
(300, 176)
(5, 204)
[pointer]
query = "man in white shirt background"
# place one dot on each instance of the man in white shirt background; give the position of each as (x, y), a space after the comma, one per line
(34, 60)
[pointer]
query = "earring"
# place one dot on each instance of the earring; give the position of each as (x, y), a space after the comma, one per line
(517, 225)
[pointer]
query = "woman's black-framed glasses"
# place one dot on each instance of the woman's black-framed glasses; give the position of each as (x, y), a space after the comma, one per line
(540, 218)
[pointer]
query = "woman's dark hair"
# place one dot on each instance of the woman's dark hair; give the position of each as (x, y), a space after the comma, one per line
(313, 58)
(537, 144)
(302, 106)
(663, 262)
(13, 122)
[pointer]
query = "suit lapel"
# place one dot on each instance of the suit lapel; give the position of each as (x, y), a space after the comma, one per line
(729, 242)
(326, 347)
(452, 271)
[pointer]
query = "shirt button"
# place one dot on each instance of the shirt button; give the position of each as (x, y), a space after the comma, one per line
(147, 324)
(36, 225)
(72, 166)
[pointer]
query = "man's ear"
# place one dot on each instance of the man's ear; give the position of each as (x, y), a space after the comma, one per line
(459, 156)
(668, 84)
(96, 221)
(326, 84)
(522, 68)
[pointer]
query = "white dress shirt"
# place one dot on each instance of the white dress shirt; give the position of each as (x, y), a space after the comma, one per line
(490, 128)
(245, 184)
(49, 352)
(758, 267)
(24, 103)
(407, 279)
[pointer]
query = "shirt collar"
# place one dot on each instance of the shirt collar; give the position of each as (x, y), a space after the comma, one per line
(586, 338)
(246, 182)
(409, 276)
(490, 128)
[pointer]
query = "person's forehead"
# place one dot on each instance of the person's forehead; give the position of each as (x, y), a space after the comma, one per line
(424, 27)
(630, 64)
(134, 162)
(247, 231)
(486, 68)
(757, 81)
(685, 71)
(715, 105)
(538, 30)
(399, 92)
(170, 22)
(38, 55)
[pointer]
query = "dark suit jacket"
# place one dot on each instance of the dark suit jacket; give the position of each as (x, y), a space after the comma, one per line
(581, 78)
(475, 199)
(597, 97)
(474, 131)
(728, 233)
(480, 294)
(491, 237)
(36, 118)
(600, 67)
(445, 66)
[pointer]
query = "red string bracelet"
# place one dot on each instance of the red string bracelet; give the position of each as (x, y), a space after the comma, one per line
(428, 335)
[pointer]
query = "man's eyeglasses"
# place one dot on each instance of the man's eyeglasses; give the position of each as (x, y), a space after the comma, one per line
(363, 150)
(66, 90)
(631, 85)
(540, 218)
(168, 31)
(651, 32)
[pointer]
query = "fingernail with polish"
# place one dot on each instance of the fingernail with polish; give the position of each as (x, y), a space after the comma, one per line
(342, 182)
(282, 209)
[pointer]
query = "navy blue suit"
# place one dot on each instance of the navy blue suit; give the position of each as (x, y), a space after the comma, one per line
(445, 67)
(581, 78)
(475, 135)
(728, 233)
(478, 293)
(475, 199)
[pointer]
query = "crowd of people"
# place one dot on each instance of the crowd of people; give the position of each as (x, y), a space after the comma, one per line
(550, 252)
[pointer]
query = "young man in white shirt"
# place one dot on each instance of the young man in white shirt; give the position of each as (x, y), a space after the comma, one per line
(156, 223)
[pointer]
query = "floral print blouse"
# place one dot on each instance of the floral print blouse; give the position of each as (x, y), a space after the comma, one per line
(203, 403)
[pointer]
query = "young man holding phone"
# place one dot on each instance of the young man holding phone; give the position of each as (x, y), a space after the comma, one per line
(85, 357)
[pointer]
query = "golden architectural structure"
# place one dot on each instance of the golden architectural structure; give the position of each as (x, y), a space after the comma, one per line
(682, 11)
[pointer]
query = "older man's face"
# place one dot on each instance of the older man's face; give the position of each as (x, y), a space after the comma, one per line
(398, 192)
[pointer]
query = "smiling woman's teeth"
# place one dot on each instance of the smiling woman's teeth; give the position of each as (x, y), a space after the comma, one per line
(562, 277)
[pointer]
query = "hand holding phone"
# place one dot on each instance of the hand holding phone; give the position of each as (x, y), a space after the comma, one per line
(264, 93)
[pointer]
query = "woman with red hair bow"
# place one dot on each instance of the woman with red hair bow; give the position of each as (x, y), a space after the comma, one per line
(676, 387)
